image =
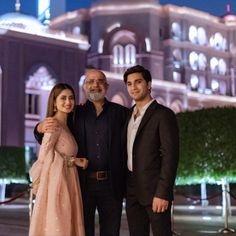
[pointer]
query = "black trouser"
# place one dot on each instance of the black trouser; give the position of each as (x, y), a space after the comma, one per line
(141, 217)
(98, 195)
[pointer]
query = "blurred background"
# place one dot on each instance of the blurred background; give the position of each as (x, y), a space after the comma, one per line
(189, 47)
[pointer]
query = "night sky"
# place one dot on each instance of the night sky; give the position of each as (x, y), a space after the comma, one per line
(214, 7)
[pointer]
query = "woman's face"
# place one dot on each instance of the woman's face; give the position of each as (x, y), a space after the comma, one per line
(65, 101)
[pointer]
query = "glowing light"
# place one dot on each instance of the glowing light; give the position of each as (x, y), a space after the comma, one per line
(194, 81)
(214, 84)
(177, 77)
(148, 44)
(113, 26)
(100, 46)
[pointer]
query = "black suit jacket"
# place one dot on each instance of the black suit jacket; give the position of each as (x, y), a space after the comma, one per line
(155, 154)
(117, 116)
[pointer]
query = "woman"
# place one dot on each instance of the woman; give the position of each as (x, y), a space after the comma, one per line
(58, 204)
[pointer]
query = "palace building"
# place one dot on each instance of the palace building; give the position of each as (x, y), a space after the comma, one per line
(191, 55)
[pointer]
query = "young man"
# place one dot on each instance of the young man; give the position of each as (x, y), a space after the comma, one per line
(153, 151)
(97, 126)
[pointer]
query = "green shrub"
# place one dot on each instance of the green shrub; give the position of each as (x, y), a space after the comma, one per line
(207, 145)
(12, 163)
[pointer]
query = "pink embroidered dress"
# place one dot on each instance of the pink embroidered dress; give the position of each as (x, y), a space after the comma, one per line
(58, 205)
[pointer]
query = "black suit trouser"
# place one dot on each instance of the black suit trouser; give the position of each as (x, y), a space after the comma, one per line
(141, 217)
(99, 196)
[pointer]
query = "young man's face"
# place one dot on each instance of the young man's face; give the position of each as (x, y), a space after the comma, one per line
(95, 86)
(137, 87)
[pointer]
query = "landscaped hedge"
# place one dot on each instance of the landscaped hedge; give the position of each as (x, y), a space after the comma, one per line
(12, 163)
(207, 145)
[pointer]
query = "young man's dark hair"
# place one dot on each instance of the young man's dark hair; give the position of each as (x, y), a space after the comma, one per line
(138, 69)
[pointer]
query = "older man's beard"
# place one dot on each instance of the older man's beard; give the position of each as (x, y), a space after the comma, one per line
(95, 96)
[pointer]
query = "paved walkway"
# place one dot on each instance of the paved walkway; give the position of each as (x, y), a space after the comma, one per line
(188, 221)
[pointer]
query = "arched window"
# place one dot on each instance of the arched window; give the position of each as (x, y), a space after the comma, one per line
(193, 34)
(76, 30)
(214, 65)
(202, 61)
(194, 82)
(222, 67)
(130, 54)
(177, 54)
(193, 60)
(223, 87)
(176, 30)
(118, 55)
(176, 76)
(123, 48)
(124, 55)
(218, 42)
(202, 37)
(39, 81)
(202, 84)
(215, 85)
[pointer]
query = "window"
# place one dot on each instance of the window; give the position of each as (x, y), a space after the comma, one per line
(76, 30)
(118, 55)
(177, 55)
(222, 87)
(123, 48)
(197, 35)
(222, 67)
(214, 65)
(192, 34)
(202, 37)
(193, 60)
(31, 103)
(214, 85)
(218, 42)
(194, 81)
(176, 77)
(202, 84)
(202, 61)
(130, 54)
(124, 55)
(176, 30)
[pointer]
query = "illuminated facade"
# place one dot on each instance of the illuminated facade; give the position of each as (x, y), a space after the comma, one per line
(32, 60)
(191, 54)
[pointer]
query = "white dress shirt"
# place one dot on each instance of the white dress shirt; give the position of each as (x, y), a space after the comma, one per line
(133, 125)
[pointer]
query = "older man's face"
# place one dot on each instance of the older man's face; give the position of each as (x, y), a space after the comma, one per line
(95, 85)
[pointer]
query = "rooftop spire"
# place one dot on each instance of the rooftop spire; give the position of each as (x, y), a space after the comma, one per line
(228, 8)
(17, 5)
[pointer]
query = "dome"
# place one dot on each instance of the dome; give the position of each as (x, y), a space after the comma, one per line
(20, 21)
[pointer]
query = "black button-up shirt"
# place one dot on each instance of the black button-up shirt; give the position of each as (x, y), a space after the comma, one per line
(97, 138)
